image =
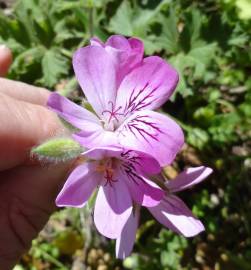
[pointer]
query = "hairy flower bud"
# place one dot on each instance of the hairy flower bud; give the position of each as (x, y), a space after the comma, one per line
(58, 150)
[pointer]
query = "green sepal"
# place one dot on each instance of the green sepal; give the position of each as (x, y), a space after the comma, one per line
(58, 150)
(68, 125)
(88, 106)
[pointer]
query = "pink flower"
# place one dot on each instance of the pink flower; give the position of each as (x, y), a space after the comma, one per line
(171, 211)
(128, 141)
(122, 179)
(123, 88)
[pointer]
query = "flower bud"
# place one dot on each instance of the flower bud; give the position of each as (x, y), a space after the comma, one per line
(58, 150)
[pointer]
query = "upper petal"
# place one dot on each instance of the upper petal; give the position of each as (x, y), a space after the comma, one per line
(126, 53)
(142, 162)
(94, 41)
(152, 133)
(73, 113)
(147, 86)
(189, 178)
(112, 209)
(125, 242)
(78, 187)
(96, 74)
(101, 152)
(175, 215)
(119, 43)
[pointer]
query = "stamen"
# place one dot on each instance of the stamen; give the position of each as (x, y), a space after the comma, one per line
(109, 176)
(105, 167)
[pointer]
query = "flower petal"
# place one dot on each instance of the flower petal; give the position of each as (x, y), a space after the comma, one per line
(102, 152)
(96, 74)
(174, 214)
(94, 41)
(137, 46)
(126, 53)
(125, 242)
(152, 133)
(119, 43)
(142, 162)
(78, 187)
(189, 178)
(112, 209)
(72, 113)
(147, 86)
(94, 136)
(143, 191)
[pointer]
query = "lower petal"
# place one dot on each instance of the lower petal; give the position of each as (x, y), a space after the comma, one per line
(125, 242)
(78, 187)
(174, 214)
(112, 209)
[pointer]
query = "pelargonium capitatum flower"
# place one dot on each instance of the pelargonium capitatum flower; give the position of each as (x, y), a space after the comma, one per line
(122, 179)
(171, 211)
(123, 88)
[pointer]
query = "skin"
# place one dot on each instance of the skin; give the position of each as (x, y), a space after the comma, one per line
(27, 188)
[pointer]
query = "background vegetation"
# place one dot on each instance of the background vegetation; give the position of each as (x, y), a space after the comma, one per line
(209, 42)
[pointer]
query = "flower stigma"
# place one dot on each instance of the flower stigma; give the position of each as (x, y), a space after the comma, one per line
(113, 115)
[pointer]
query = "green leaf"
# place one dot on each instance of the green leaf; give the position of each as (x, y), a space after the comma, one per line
(200, 57)
(136, 21)
(179, 61)
(169, 38)
(196, 62)
(121, 22)
(191, 33)
(54, 66)
(58, 150)
(244, 7)
(26, 62)
(198, 138)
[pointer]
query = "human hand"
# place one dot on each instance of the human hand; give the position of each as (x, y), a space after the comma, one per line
(27, 189)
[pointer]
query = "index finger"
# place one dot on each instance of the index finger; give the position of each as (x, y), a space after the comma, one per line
(24, 92)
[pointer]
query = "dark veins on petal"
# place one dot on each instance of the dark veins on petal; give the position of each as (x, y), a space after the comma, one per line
(128, 166)
(138, 126)
(130, 156)
(138, 100)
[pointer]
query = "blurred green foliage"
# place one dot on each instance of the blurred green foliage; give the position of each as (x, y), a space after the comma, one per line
(209, 42)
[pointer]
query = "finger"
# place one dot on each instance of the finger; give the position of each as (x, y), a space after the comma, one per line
(5, 60)
(27, 198)
(23, 125)
(24, 92)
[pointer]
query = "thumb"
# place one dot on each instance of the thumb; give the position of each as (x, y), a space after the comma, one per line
(23, 125)
(5, 60)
